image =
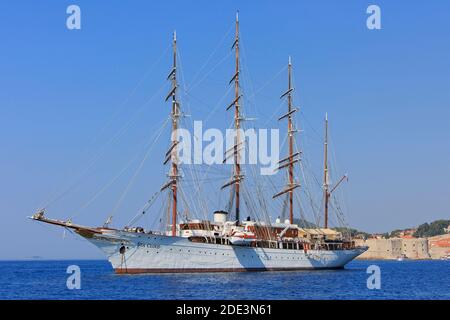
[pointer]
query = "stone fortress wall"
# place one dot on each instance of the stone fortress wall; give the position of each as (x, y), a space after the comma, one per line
(394, 248)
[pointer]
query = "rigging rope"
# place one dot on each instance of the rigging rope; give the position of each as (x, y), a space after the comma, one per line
(75, 182)
(130, 183)
(100, 152)
(144, 209)
(212, 54)
(104, 188)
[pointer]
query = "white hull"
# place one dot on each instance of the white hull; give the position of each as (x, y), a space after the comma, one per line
(146, 253)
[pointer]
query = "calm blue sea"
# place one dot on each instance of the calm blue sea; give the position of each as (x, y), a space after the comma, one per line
(399, 280)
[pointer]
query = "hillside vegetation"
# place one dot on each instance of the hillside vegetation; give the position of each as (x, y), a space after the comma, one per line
(432, 229)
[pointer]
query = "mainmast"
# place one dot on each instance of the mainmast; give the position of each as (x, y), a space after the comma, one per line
(289, 161)
(237, 176)
(326, 193)
(291, 144)
(171, 154)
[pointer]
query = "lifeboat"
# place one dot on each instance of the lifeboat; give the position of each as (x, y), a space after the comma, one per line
(240, 238)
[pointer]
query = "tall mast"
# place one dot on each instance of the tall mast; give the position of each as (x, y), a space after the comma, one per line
(237, 176)
(171, 155)
(326, 193)
(289, 161)
(175, 116)
(237, 124)
(291, 144)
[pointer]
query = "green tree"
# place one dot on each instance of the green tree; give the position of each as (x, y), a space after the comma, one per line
(435, 228)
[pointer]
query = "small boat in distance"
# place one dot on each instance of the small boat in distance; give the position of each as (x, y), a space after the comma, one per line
(402, 257)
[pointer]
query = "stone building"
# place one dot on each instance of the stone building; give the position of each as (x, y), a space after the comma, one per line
(394, 248)
(415, 248)
(439, 246)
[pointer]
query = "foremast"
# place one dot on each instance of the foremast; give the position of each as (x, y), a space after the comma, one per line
(237, 174)
(171, 155)
(289, 161)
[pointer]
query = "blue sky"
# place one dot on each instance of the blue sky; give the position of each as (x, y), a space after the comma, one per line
(65, 93)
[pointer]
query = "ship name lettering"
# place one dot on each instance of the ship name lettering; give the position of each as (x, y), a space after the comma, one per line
(148, 245)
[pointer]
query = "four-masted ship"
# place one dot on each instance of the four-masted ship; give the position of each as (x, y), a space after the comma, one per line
(227, 243)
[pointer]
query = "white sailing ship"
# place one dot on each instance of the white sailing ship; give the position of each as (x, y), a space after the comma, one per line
(227, 243)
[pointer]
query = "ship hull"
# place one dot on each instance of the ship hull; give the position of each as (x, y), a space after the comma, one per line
(132, 253)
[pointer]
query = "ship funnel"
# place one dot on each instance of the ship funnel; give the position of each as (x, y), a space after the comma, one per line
(220, 216)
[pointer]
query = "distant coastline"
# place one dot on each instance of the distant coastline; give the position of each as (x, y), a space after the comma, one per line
(427, 241)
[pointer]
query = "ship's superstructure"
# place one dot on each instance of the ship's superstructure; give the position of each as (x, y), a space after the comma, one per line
(227, 242)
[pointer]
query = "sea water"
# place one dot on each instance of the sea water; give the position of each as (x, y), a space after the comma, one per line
(398, 279)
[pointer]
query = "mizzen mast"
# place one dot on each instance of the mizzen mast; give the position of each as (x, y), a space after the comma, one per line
(326, 183)
(237, 175)
(171, 154)
(292, 157)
